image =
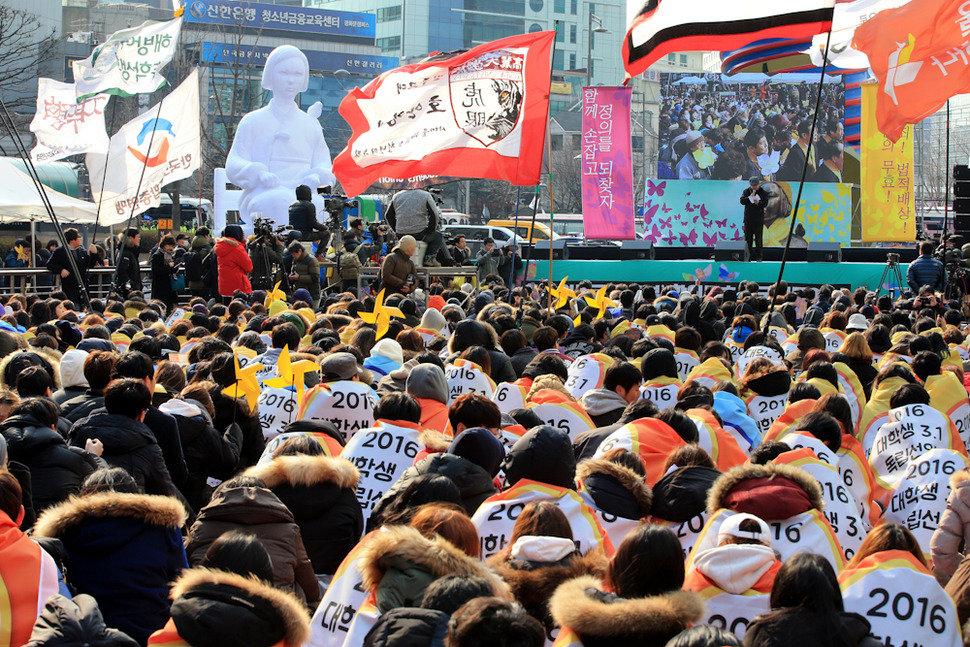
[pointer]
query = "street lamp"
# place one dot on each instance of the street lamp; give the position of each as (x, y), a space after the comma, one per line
(599, 29)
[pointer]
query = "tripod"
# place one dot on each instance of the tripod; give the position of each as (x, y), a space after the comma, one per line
(893, 273)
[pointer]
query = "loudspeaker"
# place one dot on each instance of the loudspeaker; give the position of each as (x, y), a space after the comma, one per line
(731, 250)
(961, 202)
(640, 249)
(961, 172)
(560, 250)
(961, 206)
(820, 252)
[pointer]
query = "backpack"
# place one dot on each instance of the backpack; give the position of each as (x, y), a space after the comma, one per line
(210, 269)
(193, 266)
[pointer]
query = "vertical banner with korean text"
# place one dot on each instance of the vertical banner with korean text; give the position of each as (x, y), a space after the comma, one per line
(607, 164)
(888, 201)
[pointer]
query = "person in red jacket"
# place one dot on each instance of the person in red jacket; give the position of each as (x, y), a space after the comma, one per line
(234, 262)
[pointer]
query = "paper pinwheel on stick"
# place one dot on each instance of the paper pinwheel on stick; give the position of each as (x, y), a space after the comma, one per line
(276, 294)
(246, 383)
(562, 294)
(601, 301)
(381, 316)
(291, 373)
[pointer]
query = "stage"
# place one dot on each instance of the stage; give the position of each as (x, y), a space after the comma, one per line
(673, 272)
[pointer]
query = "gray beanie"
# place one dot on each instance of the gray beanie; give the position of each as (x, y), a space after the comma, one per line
(428, 381)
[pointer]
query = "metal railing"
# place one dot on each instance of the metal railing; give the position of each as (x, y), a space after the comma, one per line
(37, 280)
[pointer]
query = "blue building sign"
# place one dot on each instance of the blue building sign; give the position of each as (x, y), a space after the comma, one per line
(319, 61)
(254, 15)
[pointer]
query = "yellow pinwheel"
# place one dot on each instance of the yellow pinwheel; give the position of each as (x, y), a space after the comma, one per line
(291, 374)
(22, 254)
(246, 383)
(381, 316)
(601, 301)
(562, 294)
(276, 294)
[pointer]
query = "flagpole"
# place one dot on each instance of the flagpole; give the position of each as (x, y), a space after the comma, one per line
(552, 205)
(97, 216)
(515, 233)
(530, 241)
(144, 166)
(801, 181)
(946, 196)
(35, 177)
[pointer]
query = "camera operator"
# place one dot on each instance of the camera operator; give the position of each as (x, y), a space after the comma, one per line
(370, 240)
(266, 252)
(304, 272)
(415, 212)
(488, 260)
(926, 270)
(397, 271)
(303, 216)
(164, 269)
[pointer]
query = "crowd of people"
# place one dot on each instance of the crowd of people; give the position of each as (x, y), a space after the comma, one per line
(612, 465)
(751, 130)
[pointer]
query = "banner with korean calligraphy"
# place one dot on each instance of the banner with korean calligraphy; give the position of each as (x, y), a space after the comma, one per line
(607, 164)
(480, 114)
(163, 143)
(130, 62)
(888, 200)
(65, 126)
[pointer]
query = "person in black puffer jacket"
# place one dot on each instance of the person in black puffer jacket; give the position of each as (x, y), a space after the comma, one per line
(471, 461)
(56, 469)
(681, 494)
(97, 371)
(320, 491)
(616, 485)
(66, 622)
(543, 454)
(470, 333)
(128, 443)
(208, 453)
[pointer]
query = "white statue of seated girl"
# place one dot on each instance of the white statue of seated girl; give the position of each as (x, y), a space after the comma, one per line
(279, 147)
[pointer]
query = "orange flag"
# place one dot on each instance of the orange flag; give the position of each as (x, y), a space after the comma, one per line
(920, 56)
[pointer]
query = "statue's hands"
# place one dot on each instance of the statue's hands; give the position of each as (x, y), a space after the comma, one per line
(312, 180)
(268, 180)
(315, 110)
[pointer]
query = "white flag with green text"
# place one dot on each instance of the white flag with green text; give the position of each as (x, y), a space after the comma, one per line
(130, 62)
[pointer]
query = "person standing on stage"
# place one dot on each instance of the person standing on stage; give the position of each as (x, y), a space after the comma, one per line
(754, 200)
(60, 265)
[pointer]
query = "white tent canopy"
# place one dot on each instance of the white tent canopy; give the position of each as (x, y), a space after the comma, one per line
(20, 201)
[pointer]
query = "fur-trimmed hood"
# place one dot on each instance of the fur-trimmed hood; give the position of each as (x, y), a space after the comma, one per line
(594, 469)
(434, 441)
(160, 511)
(660, 615)
(397, 544)
(189, 592)
(49, 355)
(769, 491)
(960, 478)
(306, 471)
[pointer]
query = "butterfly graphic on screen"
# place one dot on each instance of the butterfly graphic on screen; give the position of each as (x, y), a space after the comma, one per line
(666, 224)
(666, 209)
(724, 275)
(710, 240)
(649, 214)
(704, 212)
(670, 238)
(688, 239)
(653, 236)
(721, 223)
(769, 163)
(656, 189)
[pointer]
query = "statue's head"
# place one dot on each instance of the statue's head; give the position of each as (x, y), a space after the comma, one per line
(282, 61)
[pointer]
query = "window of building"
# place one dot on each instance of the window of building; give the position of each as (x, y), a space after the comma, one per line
(671, 58)
(534, 27)
(573, 6)
(536, 5)
(572, 61)
(560, 35)
(560, 6)
(391, 44)
(557, 60)
(572, 34)
(389, 14)
(683, 60)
